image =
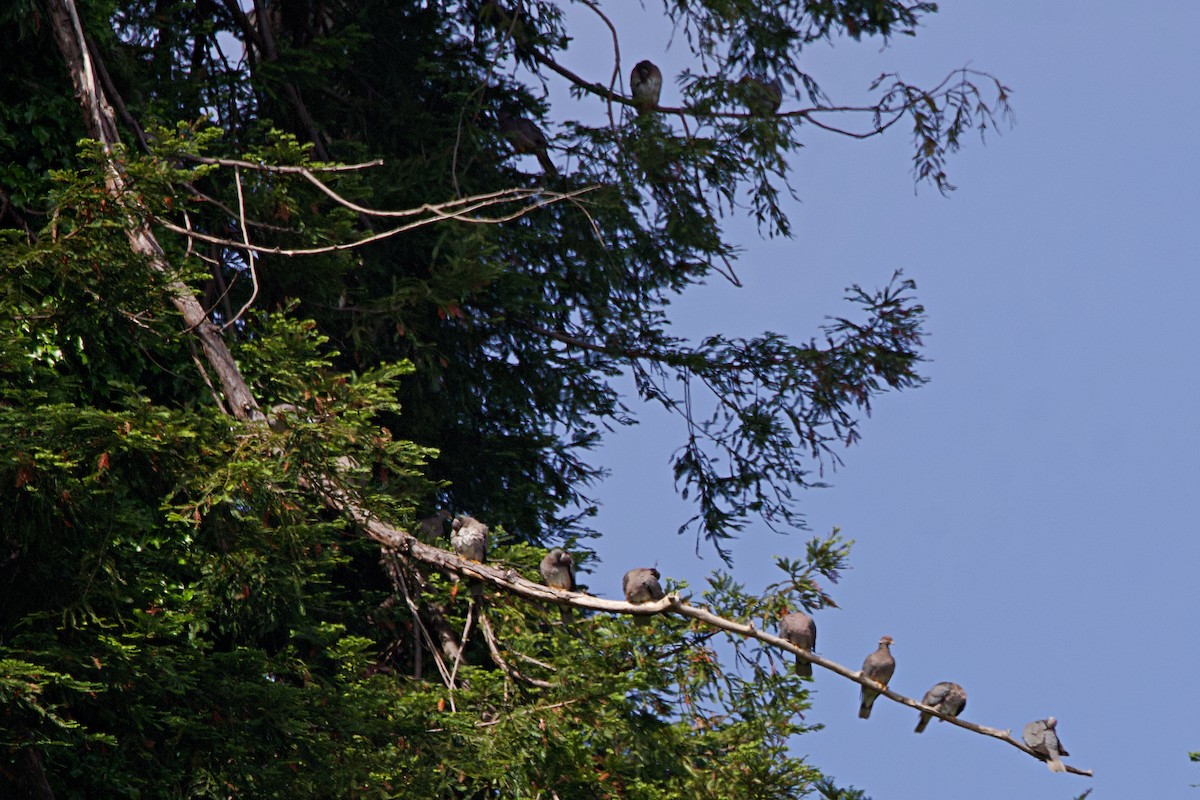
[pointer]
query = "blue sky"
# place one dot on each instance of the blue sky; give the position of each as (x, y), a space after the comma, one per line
(1025, 524)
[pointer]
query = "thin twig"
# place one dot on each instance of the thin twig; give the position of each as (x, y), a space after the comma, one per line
(438, 214)
(216, 396)
(458, 656)
(489, 636)
(394, 572)
(237, 174)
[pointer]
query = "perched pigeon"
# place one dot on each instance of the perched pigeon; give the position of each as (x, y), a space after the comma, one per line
(645, 83)
(763, 96)
(641, 586)
(879, 667)
(435, 526)
(1042, 739)
(558, 572)
(469, 537)
(799, 629)
(948, 698)
(526, 138)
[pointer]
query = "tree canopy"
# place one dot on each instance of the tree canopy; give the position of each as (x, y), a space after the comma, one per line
(274, 277)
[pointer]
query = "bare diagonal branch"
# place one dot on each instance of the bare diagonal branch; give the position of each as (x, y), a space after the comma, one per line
(508, 580)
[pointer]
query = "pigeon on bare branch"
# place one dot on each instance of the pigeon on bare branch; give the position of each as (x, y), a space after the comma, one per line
(558, 572)
(948, 698)
(1042, 738)
(879, 667)
(641, 586)
(799, 629)
(469, 538)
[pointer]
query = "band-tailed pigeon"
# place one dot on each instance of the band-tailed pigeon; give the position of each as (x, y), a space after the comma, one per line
(641, 586)
(645, 83)
(558, 572)
(799, 629)
(469, 537)
(1041, 737)
(763, 96)
(948, 698)
(435, 526)
(526, 138)
(879, 667)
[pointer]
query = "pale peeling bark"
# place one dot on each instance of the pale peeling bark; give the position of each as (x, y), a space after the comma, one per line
(102, 126)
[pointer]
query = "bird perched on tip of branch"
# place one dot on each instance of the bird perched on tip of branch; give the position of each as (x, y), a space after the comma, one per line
(558, 572)
(526, 138)
(641, 586)
(645, 84)
(799, 629)
(879, 667)
(1042, 738)
(948, 698)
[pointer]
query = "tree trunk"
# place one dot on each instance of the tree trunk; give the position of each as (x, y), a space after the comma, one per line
(101, 124)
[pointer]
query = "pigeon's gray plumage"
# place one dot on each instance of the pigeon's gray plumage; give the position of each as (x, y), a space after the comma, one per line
(1042, 738)
(948, 698)
(641, 586)
(434, 527)
(879, 666)
(558, 572)
(645, 83)
(469, 537)
(527, 138)
(799, 629)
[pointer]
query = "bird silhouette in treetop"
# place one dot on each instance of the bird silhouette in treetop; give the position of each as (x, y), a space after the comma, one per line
(645, 84)
(526, 138)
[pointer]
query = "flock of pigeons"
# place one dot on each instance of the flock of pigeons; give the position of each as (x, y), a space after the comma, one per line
(763, 96)
(468, 537)
(947, 697)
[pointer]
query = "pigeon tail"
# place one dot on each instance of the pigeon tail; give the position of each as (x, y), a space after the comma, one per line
(864, 707)
(922, 722)
(1055, 764)
(803, 667)
(547, 165)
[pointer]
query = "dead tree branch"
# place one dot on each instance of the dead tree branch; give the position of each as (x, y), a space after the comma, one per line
(463, 209)
(102, 126)
(508, 580)
(489, 636)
